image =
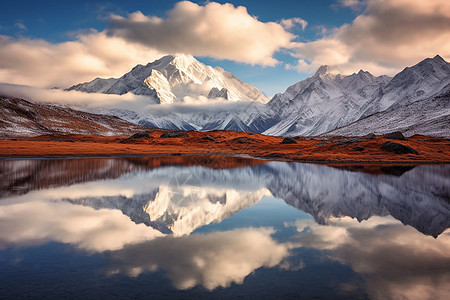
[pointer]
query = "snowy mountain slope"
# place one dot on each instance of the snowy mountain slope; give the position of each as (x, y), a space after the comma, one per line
(171, 78)
(429, 117)
(322, 102)
(25, 118)
(327, 101)
(98, 84)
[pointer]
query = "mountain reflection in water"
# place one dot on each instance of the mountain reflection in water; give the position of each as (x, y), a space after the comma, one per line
(210, 222)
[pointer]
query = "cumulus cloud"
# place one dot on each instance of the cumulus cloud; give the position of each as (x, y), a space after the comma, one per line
(211, 260)
(387, 36)
(221, 31)
(40, 63)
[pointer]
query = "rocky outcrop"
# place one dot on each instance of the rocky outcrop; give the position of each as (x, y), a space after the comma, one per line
(398, 148)
(288, 141)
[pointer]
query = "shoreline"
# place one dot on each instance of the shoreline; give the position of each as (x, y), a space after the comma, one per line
(230, 155)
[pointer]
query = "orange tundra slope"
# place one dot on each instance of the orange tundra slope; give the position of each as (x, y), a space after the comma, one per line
(163, 142)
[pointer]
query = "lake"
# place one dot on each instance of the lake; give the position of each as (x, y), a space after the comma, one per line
(217, 227)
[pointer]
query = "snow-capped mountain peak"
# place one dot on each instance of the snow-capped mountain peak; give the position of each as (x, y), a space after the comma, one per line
(173, 77)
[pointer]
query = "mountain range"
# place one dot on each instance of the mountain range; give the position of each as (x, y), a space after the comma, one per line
(317, 105)
(415, 101)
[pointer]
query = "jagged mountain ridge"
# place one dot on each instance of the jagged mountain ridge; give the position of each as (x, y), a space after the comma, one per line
(322, 102)
(327, 101)
(171, 78)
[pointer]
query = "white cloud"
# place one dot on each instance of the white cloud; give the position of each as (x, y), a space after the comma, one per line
(386, 37)
(217, 30)
(75, 98)
(40, 63)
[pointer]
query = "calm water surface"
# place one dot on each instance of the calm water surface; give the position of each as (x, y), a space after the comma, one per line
(222, 228)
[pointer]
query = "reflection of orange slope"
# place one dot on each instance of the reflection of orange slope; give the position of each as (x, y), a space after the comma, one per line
(230, 143)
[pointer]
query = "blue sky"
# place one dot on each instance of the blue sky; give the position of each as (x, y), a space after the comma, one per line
(331, 37)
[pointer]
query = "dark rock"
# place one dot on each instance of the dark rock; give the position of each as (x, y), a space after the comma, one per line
(208, 138)
(288, 141)
(140, 135)
(396, 135)
(359, 148)
(137, 136)
(243, 140)
(398, 148)
(174, 135)
(275, 155)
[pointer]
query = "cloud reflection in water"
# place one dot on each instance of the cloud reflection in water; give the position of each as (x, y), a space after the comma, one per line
(397, 261)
